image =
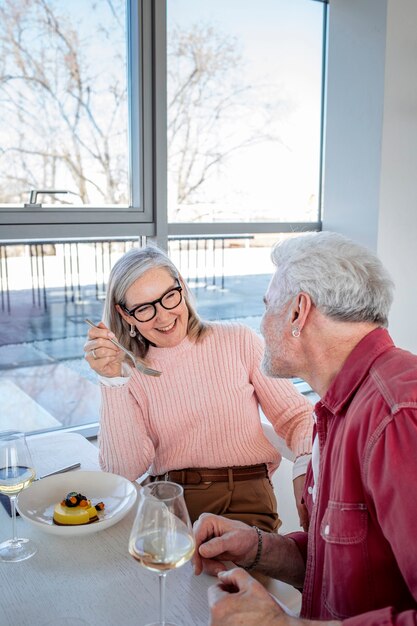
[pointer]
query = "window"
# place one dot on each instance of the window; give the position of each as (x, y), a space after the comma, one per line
(65, 101)
(216, 163)
(71, 104)
(244, 110)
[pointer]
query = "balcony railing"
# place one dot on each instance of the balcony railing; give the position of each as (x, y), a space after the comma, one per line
(72, 271)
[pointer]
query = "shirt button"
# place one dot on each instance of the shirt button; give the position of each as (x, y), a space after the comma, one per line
(310, 490)
(327, 529)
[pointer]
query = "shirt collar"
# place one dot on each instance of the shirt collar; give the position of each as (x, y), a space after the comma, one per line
(355, 369)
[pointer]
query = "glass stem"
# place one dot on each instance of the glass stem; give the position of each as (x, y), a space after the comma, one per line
(13, 511)
(162, 577)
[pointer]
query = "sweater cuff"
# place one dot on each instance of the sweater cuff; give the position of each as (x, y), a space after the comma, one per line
(117, 381)
(302, 447)
(300, 465)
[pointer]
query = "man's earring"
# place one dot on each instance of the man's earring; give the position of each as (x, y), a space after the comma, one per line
(132, 331)
(295, 332)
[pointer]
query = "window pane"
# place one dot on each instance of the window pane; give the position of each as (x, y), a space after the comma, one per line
(47, 289)
(63, 101)
(244, 108)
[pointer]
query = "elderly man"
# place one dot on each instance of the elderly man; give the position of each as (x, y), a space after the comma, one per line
(326, 311)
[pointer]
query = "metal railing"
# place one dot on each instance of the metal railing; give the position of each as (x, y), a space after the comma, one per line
(81, 268)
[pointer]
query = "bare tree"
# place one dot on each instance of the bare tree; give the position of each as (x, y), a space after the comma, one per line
(64, 121)
(60, 118)
(208, 105)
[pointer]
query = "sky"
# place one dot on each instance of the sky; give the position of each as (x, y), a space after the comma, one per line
(281, 45)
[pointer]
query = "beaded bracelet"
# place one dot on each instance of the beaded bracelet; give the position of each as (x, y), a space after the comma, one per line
(258, 552)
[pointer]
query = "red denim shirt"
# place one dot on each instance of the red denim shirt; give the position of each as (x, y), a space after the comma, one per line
(361, 556)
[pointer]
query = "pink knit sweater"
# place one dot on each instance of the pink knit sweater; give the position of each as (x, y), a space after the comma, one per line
(203, 411)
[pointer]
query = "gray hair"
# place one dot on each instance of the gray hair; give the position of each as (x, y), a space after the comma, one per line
(344, 280)
(131, 266)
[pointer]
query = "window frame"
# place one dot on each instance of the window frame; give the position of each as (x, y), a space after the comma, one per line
(230, 228)
(148, 216)
(148, 213)
(50, 222)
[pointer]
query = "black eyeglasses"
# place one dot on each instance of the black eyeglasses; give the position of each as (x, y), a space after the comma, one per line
(147, 311)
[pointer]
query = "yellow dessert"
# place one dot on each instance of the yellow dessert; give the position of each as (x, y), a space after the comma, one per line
(76, 509)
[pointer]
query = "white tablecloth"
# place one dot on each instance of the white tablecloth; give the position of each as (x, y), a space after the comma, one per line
(94, 577)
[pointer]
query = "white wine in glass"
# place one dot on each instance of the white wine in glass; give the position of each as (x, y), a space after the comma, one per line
(16, 473)
(162, 538)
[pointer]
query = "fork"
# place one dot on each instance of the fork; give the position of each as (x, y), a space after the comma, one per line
(136, 362)
(61, 470)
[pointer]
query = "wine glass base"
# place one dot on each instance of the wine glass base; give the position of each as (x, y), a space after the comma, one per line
(19, 550)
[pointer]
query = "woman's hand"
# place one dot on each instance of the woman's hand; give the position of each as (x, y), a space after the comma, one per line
(298, 484)
(101, 354)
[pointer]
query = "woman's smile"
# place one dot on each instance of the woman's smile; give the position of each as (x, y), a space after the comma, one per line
(169, 326)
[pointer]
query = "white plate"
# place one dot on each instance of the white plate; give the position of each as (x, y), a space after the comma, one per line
(36, 504)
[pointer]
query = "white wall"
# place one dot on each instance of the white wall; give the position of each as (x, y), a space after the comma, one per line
(370, 174)
(397, 234)
(354, 110)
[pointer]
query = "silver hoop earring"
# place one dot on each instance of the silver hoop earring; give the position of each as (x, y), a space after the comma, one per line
(295, 332)
(132, 331)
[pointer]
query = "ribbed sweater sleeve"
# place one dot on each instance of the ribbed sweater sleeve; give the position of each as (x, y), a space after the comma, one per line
(203, 411)
(124, 445)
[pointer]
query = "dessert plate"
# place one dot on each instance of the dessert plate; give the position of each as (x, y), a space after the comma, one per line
(36, 504)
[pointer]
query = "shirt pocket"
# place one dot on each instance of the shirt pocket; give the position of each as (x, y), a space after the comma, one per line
(346, 573)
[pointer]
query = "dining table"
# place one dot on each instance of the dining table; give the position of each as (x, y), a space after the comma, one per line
(92, 579)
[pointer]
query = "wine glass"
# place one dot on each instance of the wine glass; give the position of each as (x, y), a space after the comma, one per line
(16, 473)
(162, 538)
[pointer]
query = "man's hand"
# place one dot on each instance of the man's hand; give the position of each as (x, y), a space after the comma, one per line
(239, 599)
(298, 484)
(220, 539)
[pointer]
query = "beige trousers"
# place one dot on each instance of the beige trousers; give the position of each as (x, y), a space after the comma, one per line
(250, 501)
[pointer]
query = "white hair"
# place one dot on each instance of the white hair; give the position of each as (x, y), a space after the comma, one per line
(344, 280)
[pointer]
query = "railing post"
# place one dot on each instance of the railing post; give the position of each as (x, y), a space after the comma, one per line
(96, 269)
(4, 278)
(32, 261)
(223, 240)
(42, 255)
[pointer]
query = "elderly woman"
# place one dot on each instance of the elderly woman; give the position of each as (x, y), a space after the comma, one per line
(198, 423)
